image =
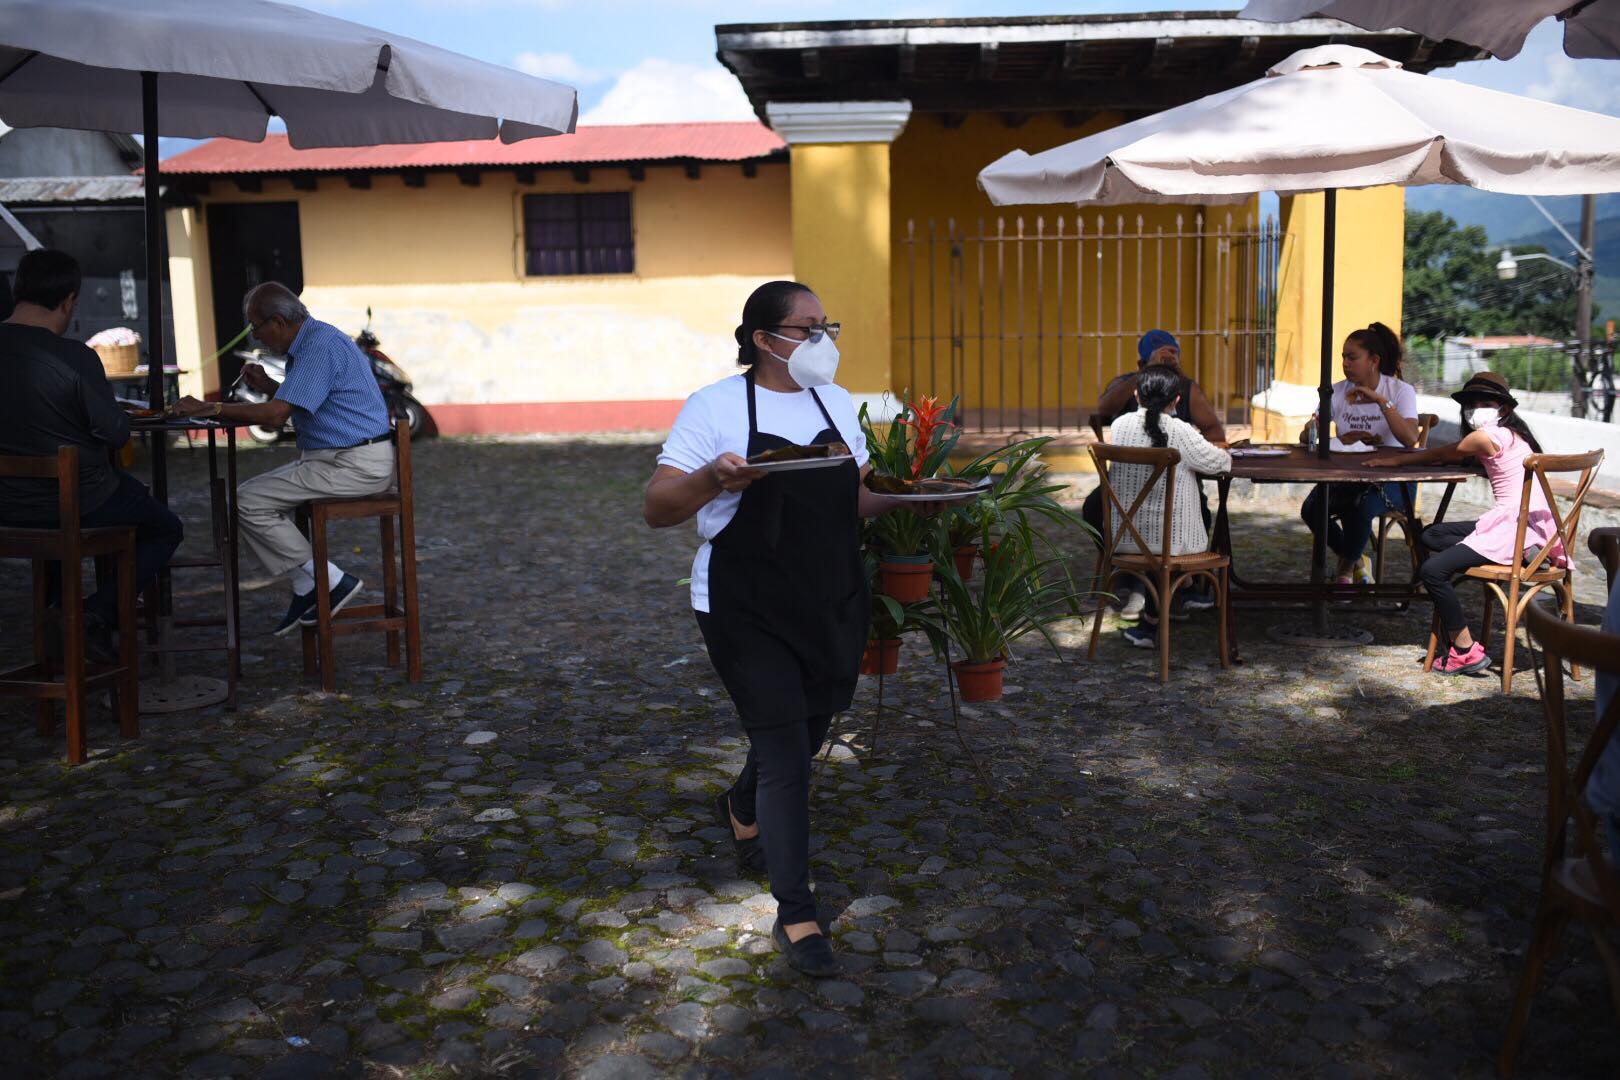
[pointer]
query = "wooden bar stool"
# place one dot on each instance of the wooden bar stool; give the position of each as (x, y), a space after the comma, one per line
(70, 545)
(388, 617)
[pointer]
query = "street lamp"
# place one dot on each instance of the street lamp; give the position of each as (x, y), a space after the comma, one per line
(1507, 268)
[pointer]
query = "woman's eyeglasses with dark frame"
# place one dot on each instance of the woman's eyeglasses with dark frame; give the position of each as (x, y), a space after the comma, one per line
(814, 330)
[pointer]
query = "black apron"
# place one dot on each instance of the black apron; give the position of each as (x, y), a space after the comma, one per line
(789, 604)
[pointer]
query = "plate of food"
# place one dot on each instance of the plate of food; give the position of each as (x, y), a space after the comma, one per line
(932, 489)
(140, 412)
(791, 458)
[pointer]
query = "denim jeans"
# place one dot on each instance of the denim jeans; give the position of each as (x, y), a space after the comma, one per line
(157, 534)
(1352, 510)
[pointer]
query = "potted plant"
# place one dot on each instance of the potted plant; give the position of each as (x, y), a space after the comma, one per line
(1018, 595)
(917, 445)
(891, 620)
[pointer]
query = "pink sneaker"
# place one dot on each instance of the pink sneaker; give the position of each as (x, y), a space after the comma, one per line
(1462, 663)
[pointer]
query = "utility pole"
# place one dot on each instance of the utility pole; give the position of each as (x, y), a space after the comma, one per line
(1584, 270)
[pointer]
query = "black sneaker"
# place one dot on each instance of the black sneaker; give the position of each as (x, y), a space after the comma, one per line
(301, 606)
(1200, 599)
(1142, 636)
(812, 956)
(99, 644)
(345, 591)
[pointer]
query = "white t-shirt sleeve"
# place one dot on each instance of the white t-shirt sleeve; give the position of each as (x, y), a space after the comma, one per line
(694, 439)
(849, 426)
(1404, 398)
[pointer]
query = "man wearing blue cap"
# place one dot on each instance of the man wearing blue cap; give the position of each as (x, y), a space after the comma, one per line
(1119, 398)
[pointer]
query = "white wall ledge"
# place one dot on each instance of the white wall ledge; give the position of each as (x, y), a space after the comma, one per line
(800, 122)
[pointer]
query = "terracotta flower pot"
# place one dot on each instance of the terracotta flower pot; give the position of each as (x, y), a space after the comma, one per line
(979, 682)
(882, 657)
(906, 577)
(964, 557)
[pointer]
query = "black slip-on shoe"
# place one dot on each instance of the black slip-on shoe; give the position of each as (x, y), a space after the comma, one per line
(750, 852)
(347, 588)
(301, 605)
(812, 956)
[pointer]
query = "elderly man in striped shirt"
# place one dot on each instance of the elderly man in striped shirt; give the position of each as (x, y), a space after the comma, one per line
(343, 431)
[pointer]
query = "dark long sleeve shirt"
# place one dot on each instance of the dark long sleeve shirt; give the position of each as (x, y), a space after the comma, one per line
(54, 393)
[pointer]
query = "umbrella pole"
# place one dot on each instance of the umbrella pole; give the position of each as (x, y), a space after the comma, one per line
(154, 279)
(1317, 633)
(1324, 403)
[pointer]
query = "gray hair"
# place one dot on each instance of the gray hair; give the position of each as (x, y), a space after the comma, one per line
(274, 300)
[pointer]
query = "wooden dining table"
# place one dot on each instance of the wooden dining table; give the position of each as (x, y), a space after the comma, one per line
(170, 694)
(1297, 465)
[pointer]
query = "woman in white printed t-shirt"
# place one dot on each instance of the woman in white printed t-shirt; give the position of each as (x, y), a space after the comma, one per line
(778, 585)
(1372, 406)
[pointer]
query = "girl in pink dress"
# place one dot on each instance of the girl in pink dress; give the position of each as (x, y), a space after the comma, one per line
(1494, 434)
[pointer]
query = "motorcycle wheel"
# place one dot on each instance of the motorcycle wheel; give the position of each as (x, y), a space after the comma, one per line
(264, 436)
(410, 410)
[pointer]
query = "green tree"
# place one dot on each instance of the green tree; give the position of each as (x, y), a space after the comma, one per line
(1451, 287)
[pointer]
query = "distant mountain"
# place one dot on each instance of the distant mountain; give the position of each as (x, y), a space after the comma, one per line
(1506, 217)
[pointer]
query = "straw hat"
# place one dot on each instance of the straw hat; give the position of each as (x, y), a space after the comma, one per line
(1488, 386)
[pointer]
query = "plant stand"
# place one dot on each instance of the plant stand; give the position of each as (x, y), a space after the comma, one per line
(883, 707)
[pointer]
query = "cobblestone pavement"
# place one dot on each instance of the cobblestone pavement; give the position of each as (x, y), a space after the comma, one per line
(1316, 863)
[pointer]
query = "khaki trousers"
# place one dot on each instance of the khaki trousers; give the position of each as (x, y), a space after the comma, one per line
(266, 503)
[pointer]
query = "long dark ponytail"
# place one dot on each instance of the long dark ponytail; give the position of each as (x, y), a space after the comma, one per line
(765, 309)
(1383, 343)
(1156, 387)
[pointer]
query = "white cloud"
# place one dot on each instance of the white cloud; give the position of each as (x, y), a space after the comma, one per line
(665, 92)
(559, 67)
(1585, 84)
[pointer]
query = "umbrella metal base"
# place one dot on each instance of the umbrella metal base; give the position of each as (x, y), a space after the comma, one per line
(1306, 634)
(181, 694)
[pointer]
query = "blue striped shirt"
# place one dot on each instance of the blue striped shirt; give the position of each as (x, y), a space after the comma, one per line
(335, 399)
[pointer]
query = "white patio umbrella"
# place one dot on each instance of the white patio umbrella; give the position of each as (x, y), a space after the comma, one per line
(1325, 118)
(204, 68)
(1591, 27)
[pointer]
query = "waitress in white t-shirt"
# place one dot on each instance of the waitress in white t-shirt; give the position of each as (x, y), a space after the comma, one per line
(779, 587)
(1372, 406)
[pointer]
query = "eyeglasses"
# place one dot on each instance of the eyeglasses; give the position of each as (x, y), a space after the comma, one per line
(814, 330)
(255, 327)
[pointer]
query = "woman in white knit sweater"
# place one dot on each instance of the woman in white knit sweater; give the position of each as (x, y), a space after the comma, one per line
(1154, 424)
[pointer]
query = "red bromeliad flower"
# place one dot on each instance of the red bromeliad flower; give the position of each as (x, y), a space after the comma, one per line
(927, 413)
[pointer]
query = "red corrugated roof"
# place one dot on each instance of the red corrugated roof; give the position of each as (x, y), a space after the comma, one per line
(719, 141)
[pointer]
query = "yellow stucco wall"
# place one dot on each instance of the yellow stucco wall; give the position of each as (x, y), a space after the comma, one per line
(1367, 272)
(441, 267)
(1012, 299)
(841, 249)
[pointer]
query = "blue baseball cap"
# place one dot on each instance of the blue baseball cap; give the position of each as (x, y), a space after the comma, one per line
(1152, 342)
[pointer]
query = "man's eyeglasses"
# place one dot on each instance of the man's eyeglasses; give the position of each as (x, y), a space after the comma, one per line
(814, 331)
(255, 327)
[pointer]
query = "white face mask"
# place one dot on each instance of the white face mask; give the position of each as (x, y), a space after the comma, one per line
(1482, 416)
(813, 363)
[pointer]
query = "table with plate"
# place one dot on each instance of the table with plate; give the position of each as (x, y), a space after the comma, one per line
(1278, 464)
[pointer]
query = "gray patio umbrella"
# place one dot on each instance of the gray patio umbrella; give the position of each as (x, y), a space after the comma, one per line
(204, 68)
(1591, 27)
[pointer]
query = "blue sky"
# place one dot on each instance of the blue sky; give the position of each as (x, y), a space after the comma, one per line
(636, 58)
(637, 61)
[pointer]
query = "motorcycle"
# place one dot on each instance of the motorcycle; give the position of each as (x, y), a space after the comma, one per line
(391, 380)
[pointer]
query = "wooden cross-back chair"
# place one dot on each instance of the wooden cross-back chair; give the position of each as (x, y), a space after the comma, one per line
(1513, 586)
(1161, 572)
(1409, 523)
(1577, 881)
(73, 677)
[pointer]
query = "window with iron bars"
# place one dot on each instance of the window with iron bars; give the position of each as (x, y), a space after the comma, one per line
(578, 234)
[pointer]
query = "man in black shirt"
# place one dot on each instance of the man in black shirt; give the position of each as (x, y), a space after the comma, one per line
(54, 393)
